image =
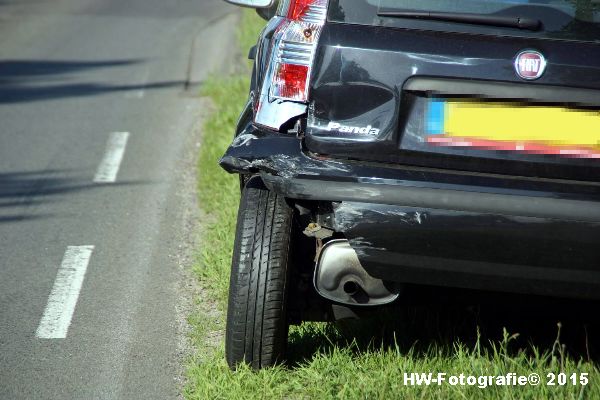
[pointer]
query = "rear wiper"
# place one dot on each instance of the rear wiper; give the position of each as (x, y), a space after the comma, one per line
(478, 19)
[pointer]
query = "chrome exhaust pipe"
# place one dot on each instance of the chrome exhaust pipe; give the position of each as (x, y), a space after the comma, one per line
(351, 287)
(341, 278)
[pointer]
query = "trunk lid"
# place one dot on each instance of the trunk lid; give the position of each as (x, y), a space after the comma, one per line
(375, 79)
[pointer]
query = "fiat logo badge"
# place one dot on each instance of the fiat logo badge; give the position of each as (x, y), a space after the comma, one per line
(530, 64)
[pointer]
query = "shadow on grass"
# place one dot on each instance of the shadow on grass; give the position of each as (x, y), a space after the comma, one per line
(531, 325)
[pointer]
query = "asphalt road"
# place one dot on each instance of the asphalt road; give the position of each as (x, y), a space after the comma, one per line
(99, 120)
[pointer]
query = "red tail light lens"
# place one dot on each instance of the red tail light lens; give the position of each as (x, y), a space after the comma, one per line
(297, 8)
(290, 81)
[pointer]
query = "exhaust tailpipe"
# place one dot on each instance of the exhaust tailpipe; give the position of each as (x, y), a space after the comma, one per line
(340, 277)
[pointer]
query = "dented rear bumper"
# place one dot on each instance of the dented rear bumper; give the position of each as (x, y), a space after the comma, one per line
(441, 227)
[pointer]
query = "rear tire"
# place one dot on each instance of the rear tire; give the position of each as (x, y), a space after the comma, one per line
(257, 326)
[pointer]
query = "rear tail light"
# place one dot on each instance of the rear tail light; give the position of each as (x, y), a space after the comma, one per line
(290, 81)
(295, 42)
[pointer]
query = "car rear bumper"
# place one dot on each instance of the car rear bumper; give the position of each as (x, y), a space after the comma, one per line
(441, 227)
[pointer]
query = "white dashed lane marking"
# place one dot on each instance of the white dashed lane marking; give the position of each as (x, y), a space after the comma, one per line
(62, 301)
(109, 166)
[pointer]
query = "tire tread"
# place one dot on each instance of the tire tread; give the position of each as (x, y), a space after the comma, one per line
(256, 319)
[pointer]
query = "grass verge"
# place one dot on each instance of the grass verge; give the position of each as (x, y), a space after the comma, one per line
(335, 363)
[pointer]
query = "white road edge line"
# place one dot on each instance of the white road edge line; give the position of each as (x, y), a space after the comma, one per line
(57, 316)
(109, 166)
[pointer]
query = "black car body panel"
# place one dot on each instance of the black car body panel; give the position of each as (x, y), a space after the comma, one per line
(416, 213)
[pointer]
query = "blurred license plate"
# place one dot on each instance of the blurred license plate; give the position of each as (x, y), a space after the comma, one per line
(513, 127)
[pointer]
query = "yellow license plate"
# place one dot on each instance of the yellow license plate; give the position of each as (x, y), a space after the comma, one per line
(505, 126)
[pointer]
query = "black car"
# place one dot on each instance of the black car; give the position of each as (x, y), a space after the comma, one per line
(393, 143)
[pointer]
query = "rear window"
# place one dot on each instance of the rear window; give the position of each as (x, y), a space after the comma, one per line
(560, 19)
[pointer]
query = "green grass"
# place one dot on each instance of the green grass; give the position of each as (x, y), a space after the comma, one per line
(356, 361)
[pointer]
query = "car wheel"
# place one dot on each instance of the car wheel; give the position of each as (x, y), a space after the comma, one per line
(257, 325)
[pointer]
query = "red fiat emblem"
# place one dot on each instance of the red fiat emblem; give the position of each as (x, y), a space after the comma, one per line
(530, 64)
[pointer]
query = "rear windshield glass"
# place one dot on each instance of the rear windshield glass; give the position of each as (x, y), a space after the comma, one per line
(560, 19)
